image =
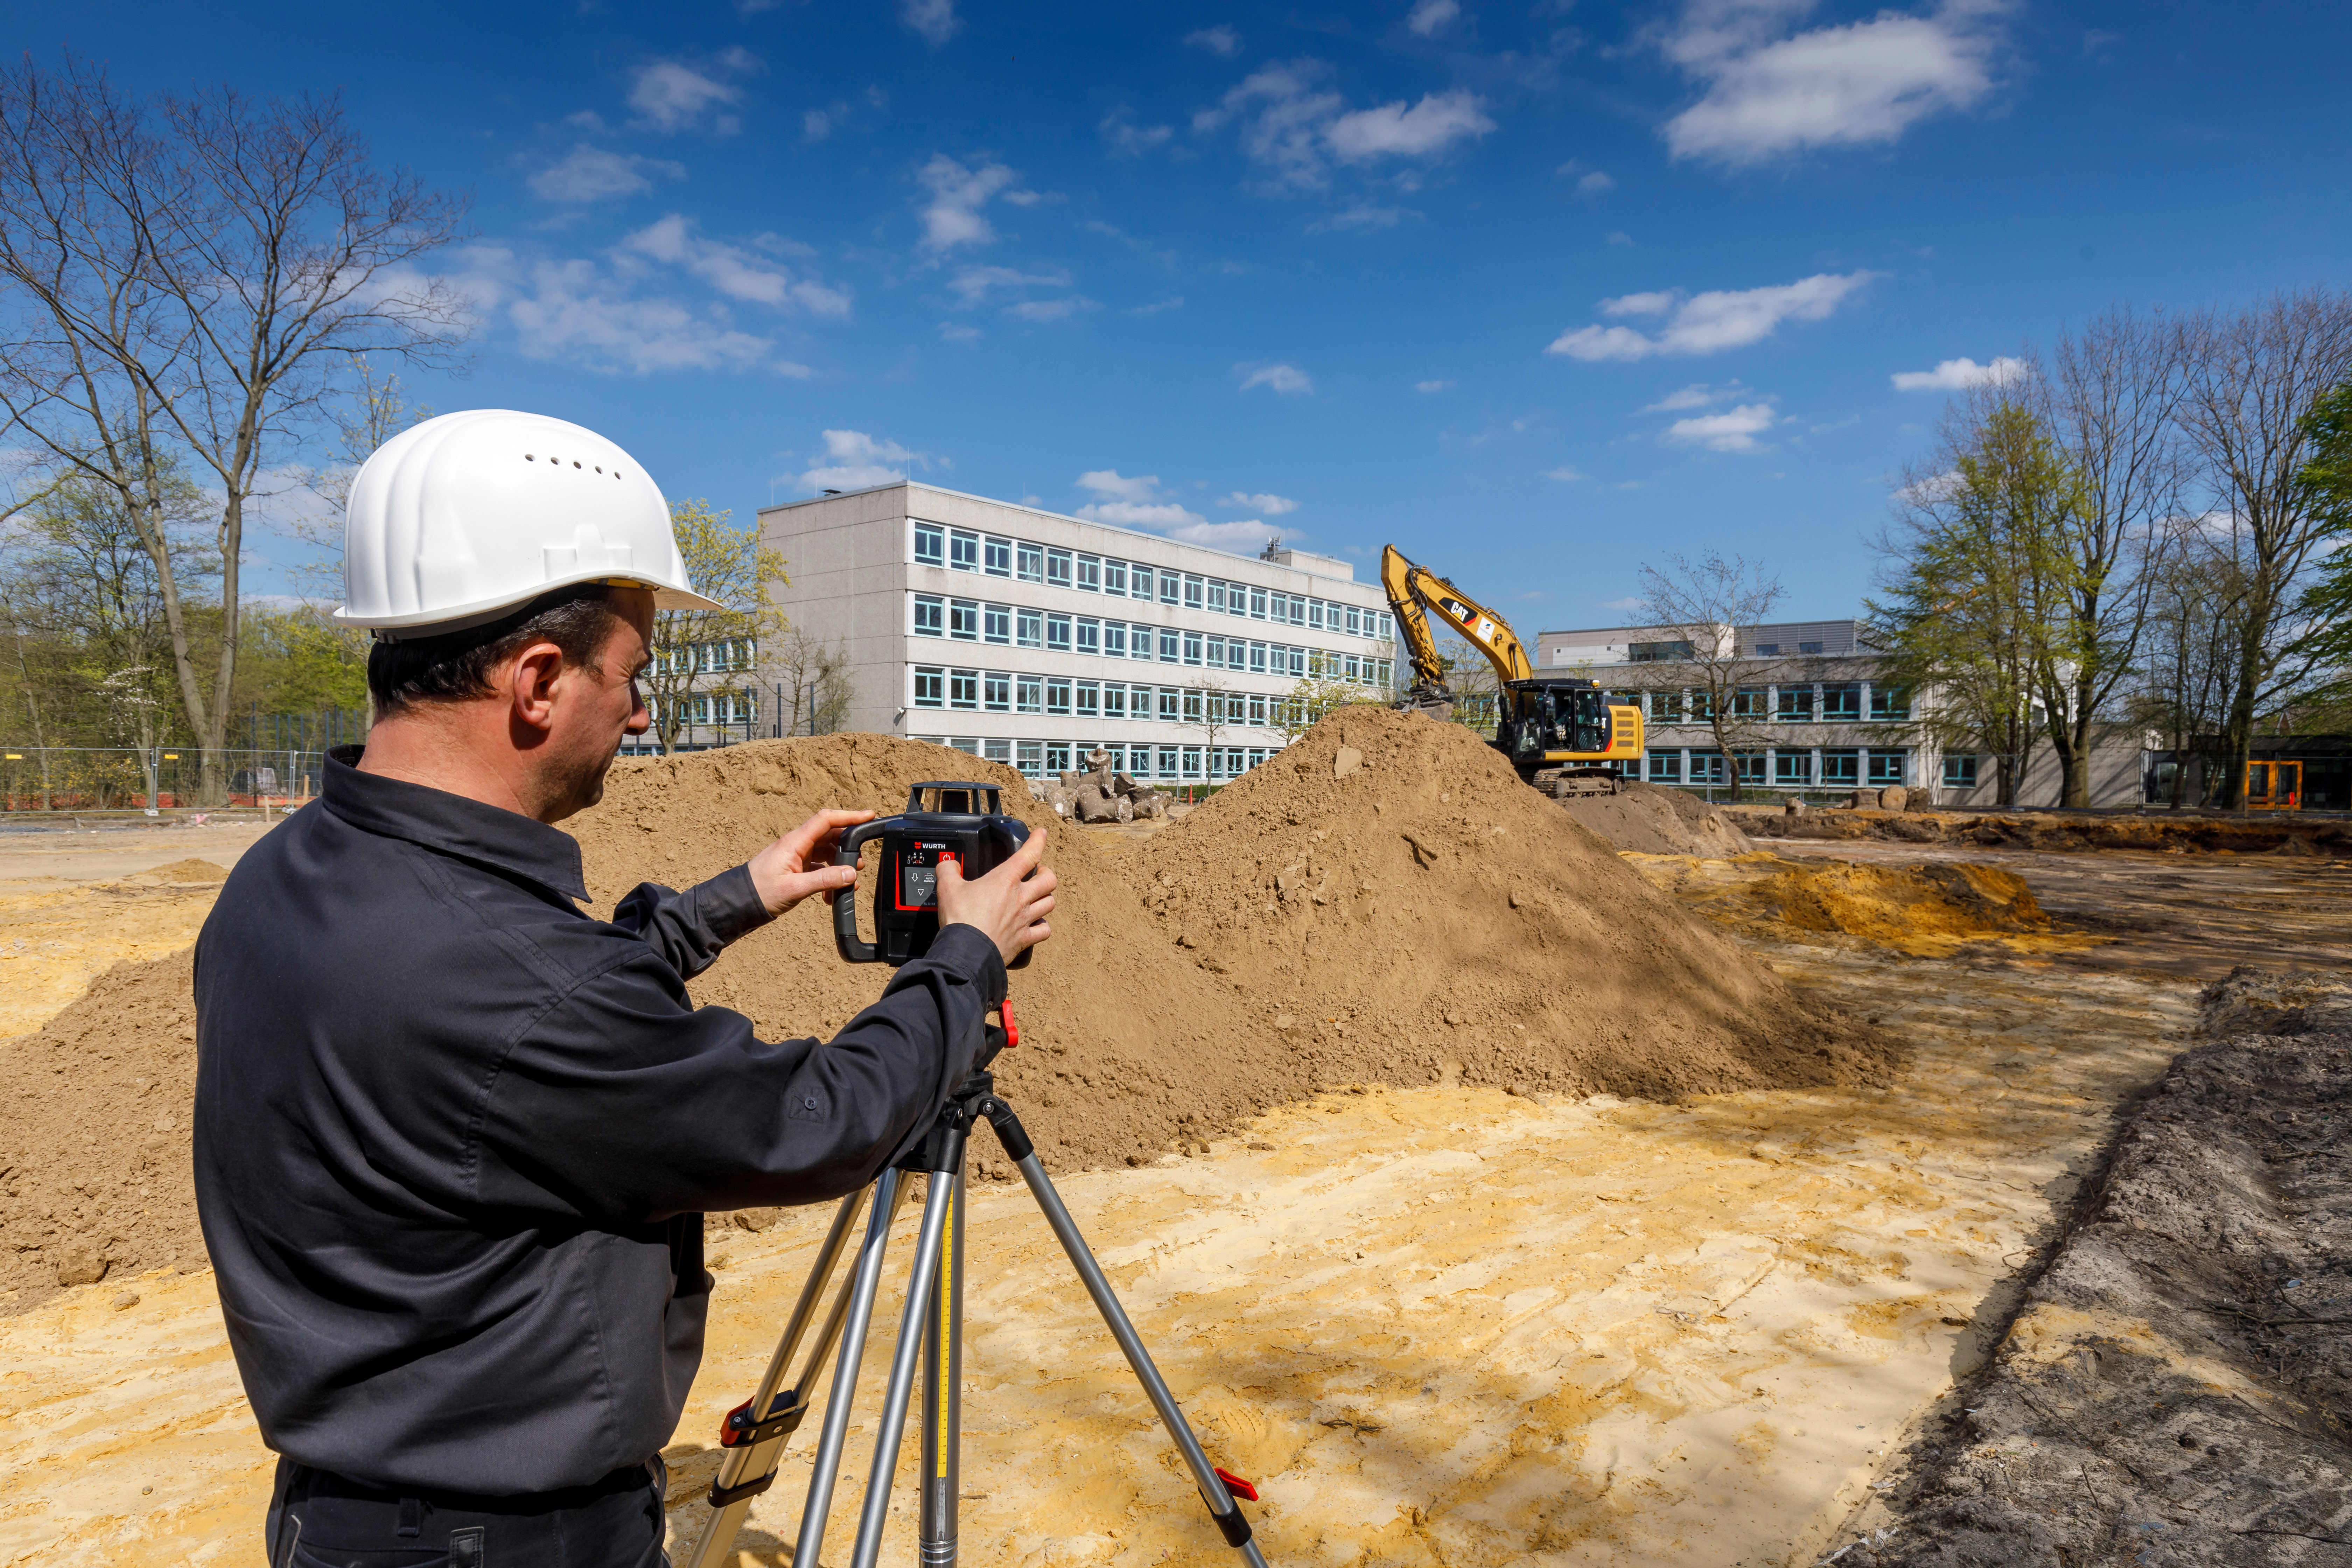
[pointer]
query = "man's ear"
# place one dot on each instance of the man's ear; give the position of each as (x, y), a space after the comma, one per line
(530, 684)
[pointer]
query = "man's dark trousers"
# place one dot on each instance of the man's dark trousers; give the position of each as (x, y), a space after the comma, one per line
(321, 1520)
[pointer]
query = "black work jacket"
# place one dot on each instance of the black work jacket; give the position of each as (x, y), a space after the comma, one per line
(454, 1139)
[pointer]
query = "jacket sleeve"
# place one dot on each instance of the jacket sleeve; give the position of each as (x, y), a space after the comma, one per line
(689, 929)
(623, 1104)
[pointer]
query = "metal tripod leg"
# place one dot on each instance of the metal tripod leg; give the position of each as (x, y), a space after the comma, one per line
(911, 1343)
(1222, 1509)
(889, 1191)
(748, 1466)
(943, 1467)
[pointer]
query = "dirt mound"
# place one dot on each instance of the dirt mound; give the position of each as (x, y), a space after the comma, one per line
(2252, 1001)
(1653, 820)
(1389, 888)
(1892, 904)
(178, 873)
(94, 1170)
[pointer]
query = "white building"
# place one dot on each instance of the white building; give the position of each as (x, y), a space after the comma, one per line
(1026, 636)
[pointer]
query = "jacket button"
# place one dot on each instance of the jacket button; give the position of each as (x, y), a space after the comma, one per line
(809, 1104)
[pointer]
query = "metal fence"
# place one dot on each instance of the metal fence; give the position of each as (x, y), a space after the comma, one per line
(130, 778)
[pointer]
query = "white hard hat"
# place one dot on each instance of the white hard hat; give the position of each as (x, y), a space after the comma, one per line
(457, 521)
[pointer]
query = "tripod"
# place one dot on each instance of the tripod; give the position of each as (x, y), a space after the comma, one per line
(755, 1432)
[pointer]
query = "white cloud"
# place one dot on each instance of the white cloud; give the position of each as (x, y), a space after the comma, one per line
(816, 124)
(1931, 489)
(1218, 40)
(856, 461)
(1594, 184)
(936, 20)
(1110, 484)
(957, 332)
(1565, 475)
(1060, 309)
(1391, 130)
(1290, 122)
(1269, 505)
(1361, 218)
(1431, 15)
(1433, 386)
(1734, 430)
(1129, 141)
(730, 269)
(1137, 502)
(592, 175)
(1956, 374)
(1156, 515)
(1770, 93)
(1709, 322)
(973, 284)
(1698, 394)
(672, 95)
(952, 213)
(1286, 379)
(1619, 236)
(1632, 602)
(567, 310)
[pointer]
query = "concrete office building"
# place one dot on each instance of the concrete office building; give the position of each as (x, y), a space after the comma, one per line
(1824, 719)
(1026, 637)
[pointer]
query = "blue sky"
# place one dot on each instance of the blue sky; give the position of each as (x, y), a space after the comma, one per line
(1537, 292)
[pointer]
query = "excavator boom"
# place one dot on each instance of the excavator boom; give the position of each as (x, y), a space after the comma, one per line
(1411, 588)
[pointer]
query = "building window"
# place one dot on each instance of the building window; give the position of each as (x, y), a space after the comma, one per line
(1031, 562)
(996, 693)
(1889, 703)
(1888, 767)
(1656, 652)
(1751, 767)
(1114, 640)
(1256, 709)
(1665, 767)
(1057, 694)
(930, 544)
(1215, 650)
(1090, 574)
(996, 624)
(1191, 648)
(1032, 628)
(1191, 707)
(1029, 756)
(1767, 650)
(1257, 659)
(931, 688)
(1030, 693)
(969, 745)
(1115, 577)
(1191, 761)
(963, 619)
(1217, 595)
(1057, 568)
(1057, 634)
(963, 689)
(1257, 604)
(1114, 700)
(1842, 704)
(1277, 604)
(1792, 767)
(1804, 648)
(1089, 634)
(1349, 667)
(963, 551)
(1090, 705)
(930, 616)
(1706, 767)
(1058, 756)
(1796, 705)
(1298, 660)
(996, 751)
(996, 556)
(1354, 621)
(1166, 761)
(1298, 610)
(1169, 698)
(1139, 581)
(1139, 641)
(1840, 768)
(1960, 772)
(1665, 707)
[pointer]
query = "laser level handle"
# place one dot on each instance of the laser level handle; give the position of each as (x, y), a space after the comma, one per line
(845, 902)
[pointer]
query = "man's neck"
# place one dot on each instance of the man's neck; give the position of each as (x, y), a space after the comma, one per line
(450, 747)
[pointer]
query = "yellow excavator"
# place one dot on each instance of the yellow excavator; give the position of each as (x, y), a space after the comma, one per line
(1562, 734)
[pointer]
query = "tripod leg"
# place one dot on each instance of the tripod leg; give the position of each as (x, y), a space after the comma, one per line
(889, 1191)
(1222, 1507)
(748, 1468)
(943, 1396)
(911, 1342)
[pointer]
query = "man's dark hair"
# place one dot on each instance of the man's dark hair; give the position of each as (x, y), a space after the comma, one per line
(456, 666)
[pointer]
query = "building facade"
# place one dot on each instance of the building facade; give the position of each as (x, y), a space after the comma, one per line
(1027, 637)
(1812, 700)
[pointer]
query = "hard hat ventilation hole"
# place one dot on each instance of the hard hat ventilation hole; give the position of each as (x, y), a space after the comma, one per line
(575, 462)
(528, 459)
(599, 468)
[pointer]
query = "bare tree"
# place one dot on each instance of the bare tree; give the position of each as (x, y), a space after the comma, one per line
(1218, 703)
(2252, 377)
(712, 653)
(1702, 611)
(192, 276)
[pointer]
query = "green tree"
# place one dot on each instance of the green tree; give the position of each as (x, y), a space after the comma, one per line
(2326, 485)
(713, 653)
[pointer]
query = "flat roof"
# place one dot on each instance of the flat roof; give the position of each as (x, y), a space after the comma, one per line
(1062, 517)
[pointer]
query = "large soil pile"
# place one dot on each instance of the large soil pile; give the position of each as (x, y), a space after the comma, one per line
(1653, 820)
(1401, 900)
(94, 1171)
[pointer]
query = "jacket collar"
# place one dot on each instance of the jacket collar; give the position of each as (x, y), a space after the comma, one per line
(451, 825)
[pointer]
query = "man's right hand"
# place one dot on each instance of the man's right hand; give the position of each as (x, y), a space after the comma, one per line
(1011, 911)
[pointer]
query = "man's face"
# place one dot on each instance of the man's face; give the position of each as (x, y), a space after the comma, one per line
(596, 705)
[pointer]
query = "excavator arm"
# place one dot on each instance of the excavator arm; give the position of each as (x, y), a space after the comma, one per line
(1413, 592)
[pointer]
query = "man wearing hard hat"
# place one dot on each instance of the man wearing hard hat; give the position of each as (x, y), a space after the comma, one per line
(454, 1138)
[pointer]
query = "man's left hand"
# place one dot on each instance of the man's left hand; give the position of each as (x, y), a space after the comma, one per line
(801, 862)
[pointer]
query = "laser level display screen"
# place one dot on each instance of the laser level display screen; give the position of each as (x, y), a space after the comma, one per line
(919, 888)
